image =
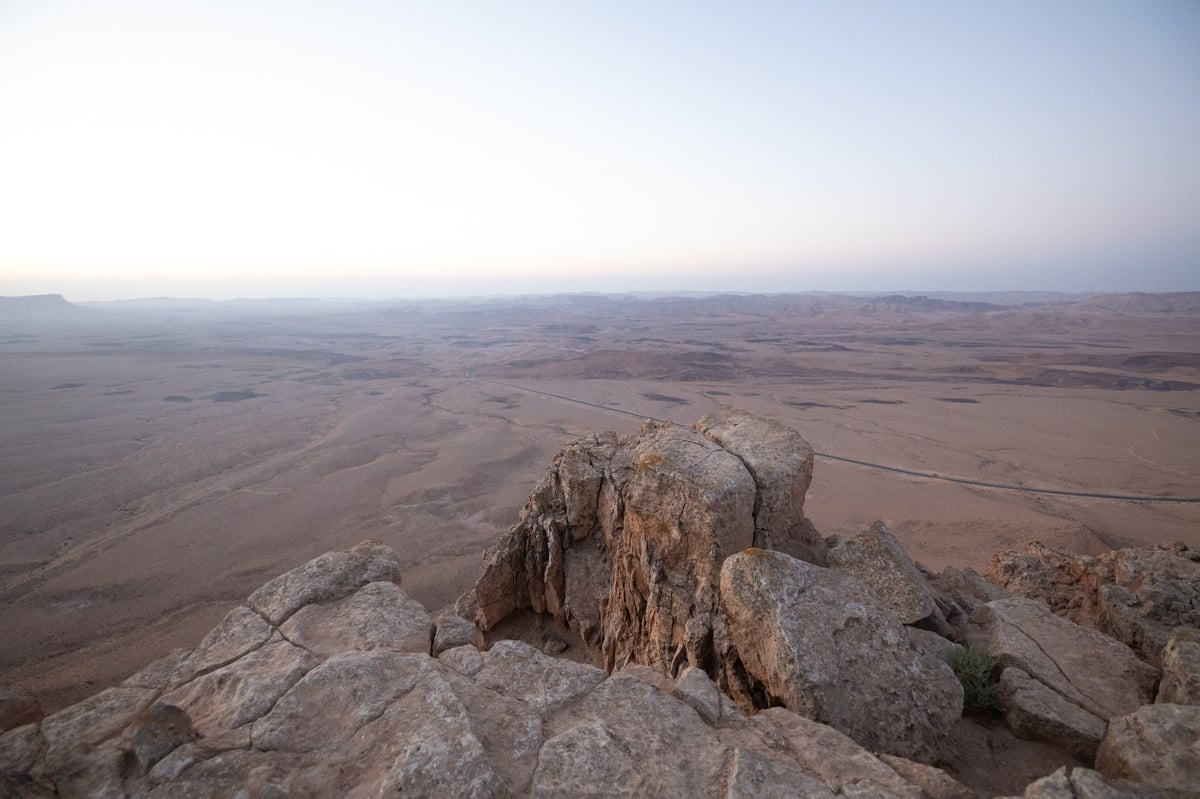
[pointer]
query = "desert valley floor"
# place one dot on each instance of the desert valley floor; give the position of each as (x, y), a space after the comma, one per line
(159, 460)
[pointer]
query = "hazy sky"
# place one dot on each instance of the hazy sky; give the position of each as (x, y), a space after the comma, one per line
(353, 148)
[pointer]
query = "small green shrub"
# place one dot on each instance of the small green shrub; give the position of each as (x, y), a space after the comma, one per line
(975, 669)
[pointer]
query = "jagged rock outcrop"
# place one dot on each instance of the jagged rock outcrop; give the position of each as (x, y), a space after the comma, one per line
(1158, 745)
(332, 692)
(624, 539)
(1067, 680)
(1135, 595)
(821, 643)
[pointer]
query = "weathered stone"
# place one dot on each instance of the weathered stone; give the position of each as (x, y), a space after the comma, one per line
(1156, 744)
(1134, 595)
(700, 693)
(1181, 668)
(821, 644)
(831, 756)
(624, 538)
(76, 730)
(527, 675)
(933, 782)
(156, 732)
(19, 749)
(17, 709)
(759, 776)
(466, 660)
(241, 631)
(875, 557)
(326, 578)
(1034, 711)
(376, 616)
(244, 690)
(781, 463)
(1087, 668)
(1083, 783)
(675, 755)
(586, 759)
(451, 631)
(335, 700)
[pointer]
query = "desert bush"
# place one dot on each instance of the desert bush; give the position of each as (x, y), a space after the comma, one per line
(975, 669)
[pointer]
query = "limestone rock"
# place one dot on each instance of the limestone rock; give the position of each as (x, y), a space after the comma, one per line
(326, 578)
(624, 538)
(1181, 668)
(250, 713)
(876, 558)
(781, 463)
(1083, 783)
(1037, 712)
(376, 616)
(933, 782)
(821, 644)
(1085, 667)
(831, 756)
(156, 732)
(18, 709)
(451, 631)
(1135, 595)
(1156, 744)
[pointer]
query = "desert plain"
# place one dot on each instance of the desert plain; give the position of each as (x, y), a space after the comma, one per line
(161, 459)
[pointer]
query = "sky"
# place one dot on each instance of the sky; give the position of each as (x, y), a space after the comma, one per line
(272, 149)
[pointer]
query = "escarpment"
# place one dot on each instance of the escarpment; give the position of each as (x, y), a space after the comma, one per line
(744, 656)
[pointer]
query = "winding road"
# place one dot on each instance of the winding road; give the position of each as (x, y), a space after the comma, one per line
(1057, 492)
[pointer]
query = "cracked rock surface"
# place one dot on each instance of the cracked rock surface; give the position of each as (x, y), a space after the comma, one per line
(334, 692)
(1067, 681)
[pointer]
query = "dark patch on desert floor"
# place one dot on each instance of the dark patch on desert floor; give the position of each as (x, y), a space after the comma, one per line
(131, 524)
(650, 395)
(234, 396)
(62, 386)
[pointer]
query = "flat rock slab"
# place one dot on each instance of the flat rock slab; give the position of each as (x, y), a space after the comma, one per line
(1086, 667)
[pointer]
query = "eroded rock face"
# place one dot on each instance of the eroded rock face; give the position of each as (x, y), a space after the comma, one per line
(365, 713)
(624, 539)
(822, 644)
(1134, 595)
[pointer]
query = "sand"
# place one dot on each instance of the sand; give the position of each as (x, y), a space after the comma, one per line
(159, 461)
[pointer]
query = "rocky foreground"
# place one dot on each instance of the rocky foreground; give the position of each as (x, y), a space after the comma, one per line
(744, 654)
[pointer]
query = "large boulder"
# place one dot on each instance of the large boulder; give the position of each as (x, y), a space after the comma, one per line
(821, 643)
(875, 557)
(1067, 680)
(1158, 745)
(250, 713)
(624, 538)
(1135, 595)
